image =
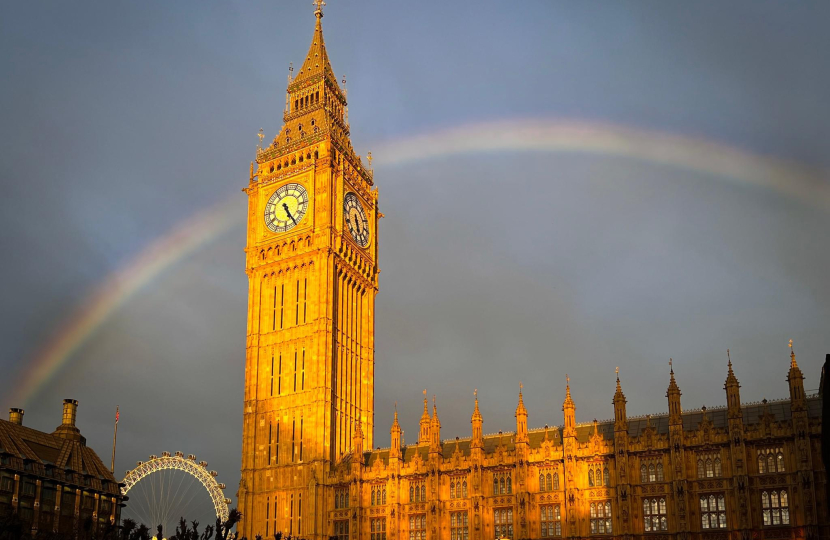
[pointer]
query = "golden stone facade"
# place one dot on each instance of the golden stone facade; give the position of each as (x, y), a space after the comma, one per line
(738, 472)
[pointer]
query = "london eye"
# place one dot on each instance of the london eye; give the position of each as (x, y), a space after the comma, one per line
(168, 487)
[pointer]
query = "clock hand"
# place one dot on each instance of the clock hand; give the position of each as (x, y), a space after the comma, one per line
(285, 207)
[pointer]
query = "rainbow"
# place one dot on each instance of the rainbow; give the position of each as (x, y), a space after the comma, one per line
(786, 178)
(118, 287)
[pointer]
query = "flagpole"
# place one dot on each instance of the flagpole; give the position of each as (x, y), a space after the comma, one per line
(114, 436)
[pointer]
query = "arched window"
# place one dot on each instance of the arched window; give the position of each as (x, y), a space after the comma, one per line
(606, 477)
(541, 482)
(464, 488)
(660, 476)
(652, 473)
(643, 474)
(373, 497)
(384, 495)
(701, 470)
(591, 478)
(718, 467)
(495, 485)
(555, 480)
(549, 483)
(780, 462)
(509, 486)
(452, 490)
(501, 485)
(423, 492)
(710, 470)
(770, 463)
(411, 494)
(762, 464)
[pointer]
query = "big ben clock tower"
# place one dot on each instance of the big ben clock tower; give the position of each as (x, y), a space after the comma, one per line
(311, 261)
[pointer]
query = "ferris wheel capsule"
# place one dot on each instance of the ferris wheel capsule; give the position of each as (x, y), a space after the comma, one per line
(203, 464)
(153, 456)
(191, 457)
(139, 463)
(214, 474)
(221, 486)
(179, 454)
(165, 454)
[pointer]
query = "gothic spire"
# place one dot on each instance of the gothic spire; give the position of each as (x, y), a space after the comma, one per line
(317, 59)
(620, 417)
(673, 393)
(733, 392)
(569, 409)
(476, 421)
(521, 407)
(423, 435)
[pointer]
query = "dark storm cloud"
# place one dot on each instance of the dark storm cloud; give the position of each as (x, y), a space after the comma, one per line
(121, 119)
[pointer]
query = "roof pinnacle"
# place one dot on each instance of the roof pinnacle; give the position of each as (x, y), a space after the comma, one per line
(319, 11)
(793, 363)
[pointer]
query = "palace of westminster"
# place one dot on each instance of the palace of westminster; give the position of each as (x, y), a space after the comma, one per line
(737, 472)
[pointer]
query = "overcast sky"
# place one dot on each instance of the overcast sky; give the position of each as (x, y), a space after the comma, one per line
(121, 119)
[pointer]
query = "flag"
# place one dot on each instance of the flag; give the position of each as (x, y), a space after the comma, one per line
(116, 415)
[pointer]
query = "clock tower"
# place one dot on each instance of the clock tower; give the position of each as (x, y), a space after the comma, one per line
(311, 261)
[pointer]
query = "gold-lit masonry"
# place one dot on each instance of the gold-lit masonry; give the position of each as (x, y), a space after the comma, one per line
(740, 472)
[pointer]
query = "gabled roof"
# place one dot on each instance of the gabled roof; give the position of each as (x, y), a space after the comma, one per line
(50, 449)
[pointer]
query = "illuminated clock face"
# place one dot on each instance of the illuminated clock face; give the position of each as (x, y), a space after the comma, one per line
(286, 208)
(356, 220)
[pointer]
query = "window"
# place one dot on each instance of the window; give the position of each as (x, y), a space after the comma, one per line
(282, 303)
(341, 529)
(378, 495)
(341, 499)
(597, 475)
(654, 515)
(502, 483)
(6, 483)
(459, 526)
(279, 377)
(712, 511)
(458, 487)
(548, 480)
(417, 491)
(709, 465)
(301, 438)
(503, 518)
(418, 527)
(651, 470)
(551, 521)
(771, 460)
(378, 529)
(29, 490)
(272, 373)
(270, 440)
(302, 372)
(293, 440)
(601, 517)
(775, 507)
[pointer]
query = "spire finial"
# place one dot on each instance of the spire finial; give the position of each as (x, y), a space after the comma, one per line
(567, 379)
(671, 367)
(319, 11)
(521, 387)
(729, 357)
(261, 135)
(617, 371)
(475, 393)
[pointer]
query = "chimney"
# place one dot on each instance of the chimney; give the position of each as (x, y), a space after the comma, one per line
(16, 416)
(67, 429)
(70, 410)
